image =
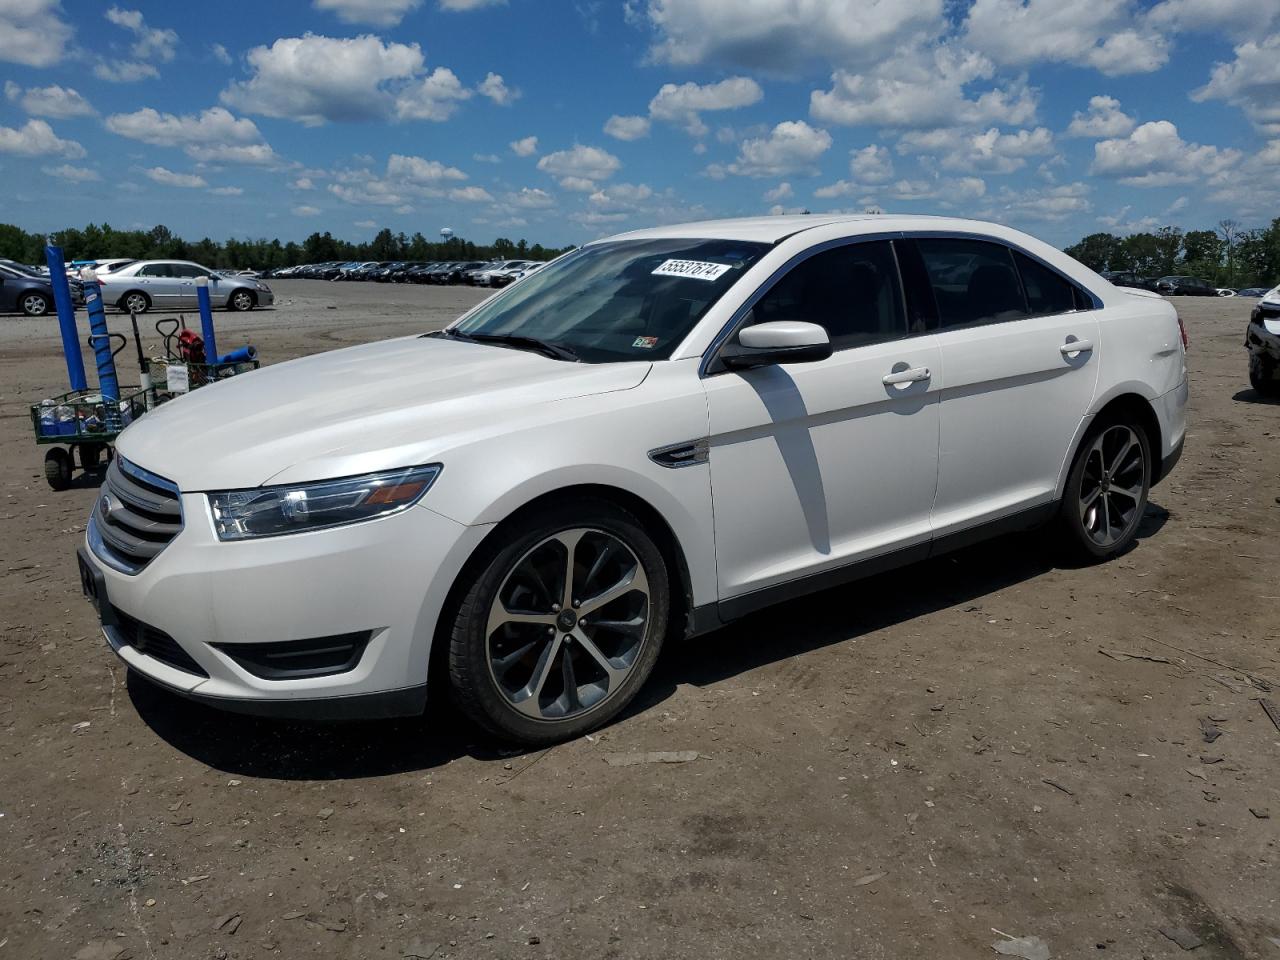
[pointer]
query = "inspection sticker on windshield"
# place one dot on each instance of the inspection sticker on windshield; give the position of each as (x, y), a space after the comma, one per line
(693, 269)
(644, 343)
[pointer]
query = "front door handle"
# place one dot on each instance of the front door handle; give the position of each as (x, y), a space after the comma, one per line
(1072, 347)
(910, 375)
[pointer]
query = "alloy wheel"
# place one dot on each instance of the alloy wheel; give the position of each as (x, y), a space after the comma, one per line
(242, 301)
(35, 305)
(135, 303)
(1112, 486)
(568, 624)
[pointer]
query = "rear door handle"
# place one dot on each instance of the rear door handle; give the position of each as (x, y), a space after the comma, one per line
(911, 375)
(1076, 346)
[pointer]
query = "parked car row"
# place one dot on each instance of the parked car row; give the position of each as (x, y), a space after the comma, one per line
(481, 273)
(26, 290)
(1178, 286)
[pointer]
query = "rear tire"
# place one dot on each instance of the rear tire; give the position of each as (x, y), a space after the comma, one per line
(1106, 491)
(1262, 376)
(135, 301)
(530, 661)
(57, 468)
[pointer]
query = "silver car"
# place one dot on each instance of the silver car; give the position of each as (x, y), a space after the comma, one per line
(171, 285)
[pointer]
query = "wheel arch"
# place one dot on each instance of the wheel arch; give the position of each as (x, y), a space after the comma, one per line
(131, 290)
(655, 524)
(1125, 400)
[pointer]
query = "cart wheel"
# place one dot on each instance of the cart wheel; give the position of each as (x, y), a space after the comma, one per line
(90, 456)
(57, 468)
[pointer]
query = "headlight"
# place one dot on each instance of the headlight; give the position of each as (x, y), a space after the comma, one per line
(293, 508)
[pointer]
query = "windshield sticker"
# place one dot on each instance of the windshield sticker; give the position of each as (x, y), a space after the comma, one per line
(645, 343)
(694, 269)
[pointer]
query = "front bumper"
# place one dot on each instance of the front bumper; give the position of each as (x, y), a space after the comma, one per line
(387, 578)
(1262, 336)
(265, 298)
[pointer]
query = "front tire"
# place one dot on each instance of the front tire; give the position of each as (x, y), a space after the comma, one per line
(1106, 492)
(1262, 376)
(35, 304)
(240, 301)
(562, 625)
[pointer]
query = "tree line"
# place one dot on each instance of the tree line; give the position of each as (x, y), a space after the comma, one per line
(160, 243)
(1226, 256)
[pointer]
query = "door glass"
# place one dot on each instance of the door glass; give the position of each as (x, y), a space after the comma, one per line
(1048, 292)
(852, 291)
(155, 270)
(186, 271)
(974, 282)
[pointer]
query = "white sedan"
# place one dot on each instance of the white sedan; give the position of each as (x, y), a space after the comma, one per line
(646, 439)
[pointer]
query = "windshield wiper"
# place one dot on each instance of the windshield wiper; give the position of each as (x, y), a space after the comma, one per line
(556, 351)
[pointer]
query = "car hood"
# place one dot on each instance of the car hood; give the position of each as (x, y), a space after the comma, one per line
(374, 407)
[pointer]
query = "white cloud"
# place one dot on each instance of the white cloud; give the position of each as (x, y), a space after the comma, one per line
(1241, 17)
(531, 198)
(1104, 118)
(1251, 82)
(994, 152)
(486, 158)
(32, 33)
(226, 191)
(376, 13)
(786, 34)
(1154, 155)
(681, 104)
(627, 128)
(150, 43)
(526, 147)
(621, 197)
(214, 136)
(1048, 204)
(302, 183)
(54, 101)
(124, 71)
(1107, 35)
(305, 210)
(220, 53)
(472, 194)
(923, 88)
(365, 224)
(418, 170)
(582, 162)
(496, 89)
(578, 184)
(791, 147)
(782, 191)
(36, 138)
(66, 171)
(871, 164)
(464, 5)
(171, 179)
(435, 97)
(315, 79)
(1123, 223)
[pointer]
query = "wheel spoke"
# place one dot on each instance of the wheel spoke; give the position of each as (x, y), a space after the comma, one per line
(615, 673)
(632, 581)
(632, 626)
(1130, 442)
(572, 700)
(502, 664)
(501, 615)
(1106, 518)
(527, 702)
(1129, 493)
(1093, 495)
(569, 540)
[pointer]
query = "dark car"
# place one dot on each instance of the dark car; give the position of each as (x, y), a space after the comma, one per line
(27, 292)
(1262, 340)
(1185, 287)
(1124, 278)
(458, 271)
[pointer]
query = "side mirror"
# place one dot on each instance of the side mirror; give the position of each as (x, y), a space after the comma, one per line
(779, 341)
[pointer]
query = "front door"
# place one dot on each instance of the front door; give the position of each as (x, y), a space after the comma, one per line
(815, 466)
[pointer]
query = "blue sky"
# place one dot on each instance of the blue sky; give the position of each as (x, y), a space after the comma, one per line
(564, 121)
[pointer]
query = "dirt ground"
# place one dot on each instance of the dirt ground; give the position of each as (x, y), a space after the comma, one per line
(888, 770)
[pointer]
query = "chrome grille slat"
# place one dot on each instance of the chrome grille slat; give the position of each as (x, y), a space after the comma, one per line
(136, 516)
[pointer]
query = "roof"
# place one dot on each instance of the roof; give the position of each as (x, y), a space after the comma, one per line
(773, 229)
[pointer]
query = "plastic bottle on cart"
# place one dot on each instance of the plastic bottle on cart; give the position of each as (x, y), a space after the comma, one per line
(48, 419)
(66, 417)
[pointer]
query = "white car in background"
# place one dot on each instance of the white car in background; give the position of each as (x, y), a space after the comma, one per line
(171, 285)
(650, 437)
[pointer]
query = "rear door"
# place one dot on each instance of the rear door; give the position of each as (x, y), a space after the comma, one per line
(158, 282)
(1020, 357)
(184, 279)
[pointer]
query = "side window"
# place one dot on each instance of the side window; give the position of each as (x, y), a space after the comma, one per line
(974, 282)
(1048, 292)
(852, 291)
(187, 271)
(155, 270)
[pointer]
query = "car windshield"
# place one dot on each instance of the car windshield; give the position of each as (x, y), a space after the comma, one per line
(625, 300)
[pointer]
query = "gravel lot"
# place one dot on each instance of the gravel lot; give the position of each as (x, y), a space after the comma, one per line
(890, 769)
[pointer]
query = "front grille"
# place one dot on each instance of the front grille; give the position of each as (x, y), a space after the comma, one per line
(154, 643)
(136, 516)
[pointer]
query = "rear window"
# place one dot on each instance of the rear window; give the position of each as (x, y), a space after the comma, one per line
(974, 282)
(1048, 292)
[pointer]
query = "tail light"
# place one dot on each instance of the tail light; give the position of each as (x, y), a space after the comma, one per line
(1182, 329)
